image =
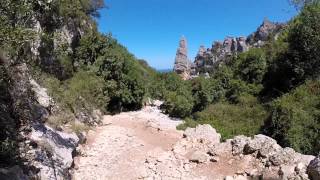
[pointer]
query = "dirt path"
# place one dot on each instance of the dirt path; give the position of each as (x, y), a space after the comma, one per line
(119, 148)
(146, 145)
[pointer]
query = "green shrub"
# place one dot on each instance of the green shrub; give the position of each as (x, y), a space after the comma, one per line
(178, 104)
(88, 86)
(84, 89)
(295, 119)
(252, 66)
(238, 88)
(187, 123)
(205, 92)
(244, 118)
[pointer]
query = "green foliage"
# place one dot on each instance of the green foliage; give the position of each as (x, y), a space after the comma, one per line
(188, 122)
(304, 43)
(123, 77)
(301, 60)
(224, 75)
(295, 119)
(301, 3)
(178, 104)
(230, 120)
(91, 46)
(177, 96)
(14, 16)
(84, 89)
(252, 66)
(205, 92)
(8, 125)
(238, 88)
(79, 8)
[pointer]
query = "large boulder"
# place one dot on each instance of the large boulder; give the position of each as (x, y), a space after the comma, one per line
(263, 145)
(202, 133)
(238, 144)
(314, 169)
(54, 151)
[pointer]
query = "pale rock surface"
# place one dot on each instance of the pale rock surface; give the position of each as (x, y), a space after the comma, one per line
(54, 153)
(202, 133)
(41, 94)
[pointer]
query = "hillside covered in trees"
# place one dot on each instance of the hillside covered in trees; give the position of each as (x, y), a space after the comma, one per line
(273, 89)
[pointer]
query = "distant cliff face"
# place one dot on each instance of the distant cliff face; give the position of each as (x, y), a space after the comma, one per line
(208, 59)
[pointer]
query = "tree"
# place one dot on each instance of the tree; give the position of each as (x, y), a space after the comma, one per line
(298, 4)
(252, 66)
(301, 60)
(14, 18)
(295, 119)
(205, 92)
(178, 104)
(123, 78)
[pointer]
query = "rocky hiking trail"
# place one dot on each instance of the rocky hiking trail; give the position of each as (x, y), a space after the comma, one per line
(146, 145)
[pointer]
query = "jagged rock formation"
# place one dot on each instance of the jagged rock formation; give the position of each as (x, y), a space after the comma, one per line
(208, 59)
(263, 33)
(182, 64)
(221, 52)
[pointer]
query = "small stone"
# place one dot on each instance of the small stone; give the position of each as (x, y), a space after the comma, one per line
(228, 178)
(199, 157)
(300, 167)
(215, 159)
(230, 161)
(240, 172)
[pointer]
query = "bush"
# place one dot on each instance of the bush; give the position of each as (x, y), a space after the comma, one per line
(244, 118)
(178, 104)
(238, 88)
(87, 86)
(205, 92)
(295, 119)
(123, 78)
(252, 66)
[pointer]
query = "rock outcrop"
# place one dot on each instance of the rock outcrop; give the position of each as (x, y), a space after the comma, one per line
(40, 151)
(263, 33)
(54, 152)
(314, 168)
(182, 64)
(243, 157)
(208, 59)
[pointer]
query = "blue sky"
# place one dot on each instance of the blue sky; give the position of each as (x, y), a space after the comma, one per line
(151, 29)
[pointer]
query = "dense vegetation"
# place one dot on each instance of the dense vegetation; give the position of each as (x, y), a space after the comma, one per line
(272, 90)
(93, 72)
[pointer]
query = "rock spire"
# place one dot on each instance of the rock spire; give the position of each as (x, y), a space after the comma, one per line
(182, 64)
